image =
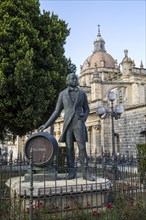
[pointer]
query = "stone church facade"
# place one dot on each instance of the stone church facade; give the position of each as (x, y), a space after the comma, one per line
(99, 74)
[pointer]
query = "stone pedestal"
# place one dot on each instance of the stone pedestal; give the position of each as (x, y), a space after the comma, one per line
(66, 185)
(61, 191)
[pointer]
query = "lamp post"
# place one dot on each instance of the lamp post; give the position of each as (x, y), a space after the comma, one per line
(115, 113)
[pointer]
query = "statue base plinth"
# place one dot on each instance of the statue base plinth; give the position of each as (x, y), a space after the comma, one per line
(60, 191)
(40, 177)
(56, 185)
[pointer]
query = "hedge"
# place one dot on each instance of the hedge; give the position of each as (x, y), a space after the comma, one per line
(142, 161)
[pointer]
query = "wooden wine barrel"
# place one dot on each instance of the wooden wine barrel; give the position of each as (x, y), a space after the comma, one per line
(42, 144)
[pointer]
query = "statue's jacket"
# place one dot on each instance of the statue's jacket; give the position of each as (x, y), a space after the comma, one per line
(79, 109)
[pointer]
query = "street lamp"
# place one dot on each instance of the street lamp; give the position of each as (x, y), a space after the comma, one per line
(115, 113)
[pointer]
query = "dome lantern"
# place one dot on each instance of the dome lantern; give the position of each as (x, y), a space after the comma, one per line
(99, 43)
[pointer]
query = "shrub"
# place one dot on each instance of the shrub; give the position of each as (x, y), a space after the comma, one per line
(142, 161)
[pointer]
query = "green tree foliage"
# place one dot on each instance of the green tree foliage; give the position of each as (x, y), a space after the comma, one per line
(33, 66)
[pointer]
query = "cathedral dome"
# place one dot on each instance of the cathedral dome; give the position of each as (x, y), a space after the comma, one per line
(99, 59)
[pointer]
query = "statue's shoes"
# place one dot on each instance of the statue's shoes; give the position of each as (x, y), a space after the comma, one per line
(70, 176)
(89, 177)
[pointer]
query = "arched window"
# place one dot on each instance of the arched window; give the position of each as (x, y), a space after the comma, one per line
(143, 133)
(121, 95)
(117, 142)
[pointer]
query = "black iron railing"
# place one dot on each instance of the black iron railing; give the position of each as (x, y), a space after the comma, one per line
(27, 195)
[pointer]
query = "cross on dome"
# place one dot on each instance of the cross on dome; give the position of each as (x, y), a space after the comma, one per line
(99, 35)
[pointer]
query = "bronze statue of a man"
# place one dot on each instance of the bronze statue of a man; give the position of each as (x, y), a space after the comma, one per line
(73, 101)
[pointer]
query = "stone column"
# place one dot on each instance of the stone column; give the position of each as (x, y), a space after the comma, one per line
(94, 138)
(97, 139)
(88, 144)
(57, 135)
(91, 141)
(57, 131)
(102, 136)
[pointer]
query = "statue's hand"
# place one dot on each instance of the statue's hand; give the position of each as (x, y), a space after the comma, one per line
(41, 128)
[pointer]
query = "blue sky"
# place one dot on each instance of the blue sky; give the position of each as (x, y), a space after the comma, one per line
(122, 26)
